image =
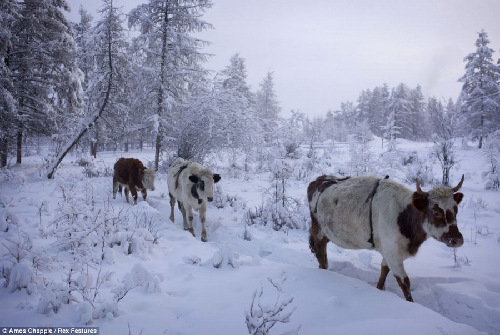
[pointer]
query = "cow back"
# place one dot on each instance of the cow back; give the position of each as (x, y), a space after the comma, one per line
(129, 171)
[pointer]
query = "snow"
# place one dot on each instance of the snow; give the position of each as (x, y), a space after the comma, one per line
(152, 277)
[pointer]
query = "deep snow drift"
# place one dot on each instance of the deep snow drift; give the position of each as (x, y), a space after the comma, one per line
(73, 256)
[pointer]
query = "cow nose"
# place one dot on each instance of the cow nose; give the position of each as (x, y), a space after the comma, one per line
(210, 199)
(456, 242)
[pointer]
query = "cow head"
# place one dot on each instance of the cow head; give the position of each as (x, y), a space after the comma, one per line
(148, 179)
(440, 206)
(203, 185)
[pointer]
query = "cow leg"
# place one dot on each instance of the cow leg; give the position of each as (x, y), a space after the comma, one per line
(384, 271)
(203, 210)
(133, 191)
(189, 214)
(184, 217)
(144, 194)
(396, 266)
(187, 211)
(172, 205)
(126, 193)
(318, 245)
(405, 287)
(115, 187)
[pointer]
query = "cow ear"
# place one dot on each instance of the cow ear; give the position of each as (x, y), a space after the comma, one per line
(420, 201)
(458, 197)
(194, 178)
(216, 177)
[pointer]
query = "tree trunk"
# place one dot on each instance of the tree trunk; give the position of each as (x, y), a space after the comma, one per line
(4, 150)
(157, 151)
(19, 142)
(93, 149)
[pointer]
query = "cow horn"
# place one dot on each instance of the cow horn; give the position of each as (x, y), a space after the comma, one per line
(456, 188)
(419, 190)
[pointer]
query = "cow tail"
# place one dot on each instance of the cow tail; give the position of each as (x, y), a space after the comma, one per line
(313, 234)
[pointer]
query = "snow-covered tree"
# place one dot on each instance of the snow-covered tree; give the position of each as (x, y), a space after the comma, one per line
(391, 131)
(45, 76)
(364, 111)
(359, 148)
(399, 111)
(444, 135)
(170, 56)
(416, 116)
(378, 108)
(267, 107)
(9, 13)
(480, 90)
(114, 121)
(236, 107)
(492, 159)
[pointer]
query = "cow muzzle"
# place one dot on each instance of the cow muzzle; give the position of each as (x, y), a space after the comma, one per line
(453, 238)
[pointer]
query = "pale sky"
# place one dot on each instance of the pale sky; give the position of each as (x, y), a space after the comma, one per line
(324, 52)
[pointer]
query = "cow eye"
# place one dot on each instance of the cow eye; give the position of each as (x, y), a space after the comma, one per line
(436, 213)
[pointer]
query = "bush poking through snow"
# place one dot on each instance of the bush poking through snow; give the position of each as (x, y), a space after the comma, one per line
(137, 277)
(21, 276)
(225, 255)
(262, 316)
(418, 169)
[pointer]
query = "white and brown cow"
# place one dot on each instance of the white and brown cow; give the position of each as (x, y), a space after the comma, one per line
(132, 175)
(192, 185)
(380, 214)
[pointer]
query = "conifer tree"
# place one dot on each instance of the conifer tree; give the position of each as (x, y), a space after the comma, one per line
(480, 90)
(45, 76)
(267, 107)
(9, 13)
(170, 56)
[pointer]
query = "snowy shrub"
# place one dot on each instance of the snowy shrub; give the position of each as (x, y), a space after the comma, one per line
(7, 175)
(22, 276)
(223, 200)
(477, 203)
(84, 160)
(108, 310)
(138, 277)
(491, 154)
(262, 316)
(17, 248)
(225, 256)
(275, 216)
(86, 311)
(7, 219)
(418, 169)
(279, 210)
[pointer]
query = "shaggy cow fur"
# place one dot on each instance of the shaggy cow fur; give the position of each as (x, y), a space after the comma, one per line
(348, 211)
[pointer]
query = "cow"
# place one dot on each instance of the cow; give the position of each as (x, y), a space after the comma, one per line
(192, 185)
(132, 175)
(380, 214)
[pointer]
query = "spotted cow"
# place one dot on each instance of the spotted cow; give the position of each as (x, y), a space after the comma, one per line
(192, 185)
(380, 214)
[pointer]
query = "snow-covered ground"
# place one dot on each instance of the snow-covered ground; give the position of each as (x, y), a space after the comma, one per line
(132, 271)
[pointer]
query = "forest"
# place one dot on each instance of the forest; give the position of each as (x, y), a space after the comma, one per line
(76, 96)
(92, 86)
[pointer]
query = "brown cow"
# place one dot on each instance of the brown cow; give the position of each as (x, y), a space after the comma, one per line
(132, 175)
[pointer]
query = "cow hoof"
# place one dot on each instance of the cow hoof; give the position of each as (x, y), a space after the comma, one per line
(204, 239)
(191, 230)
